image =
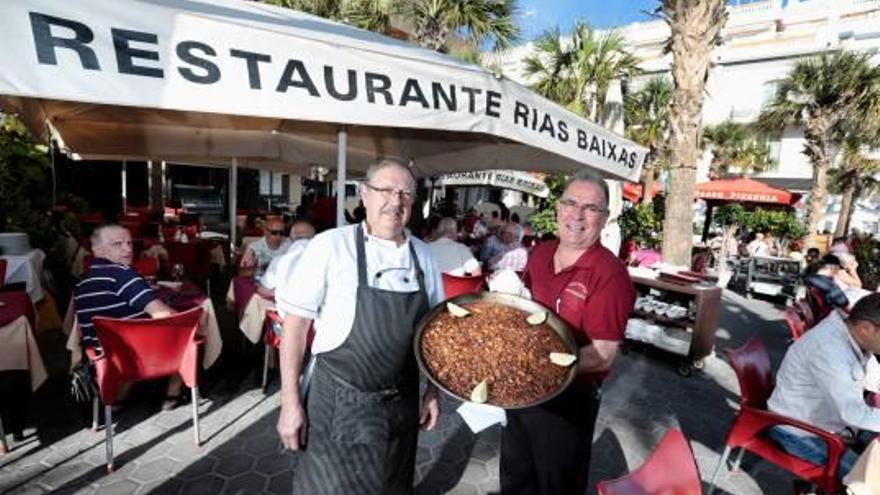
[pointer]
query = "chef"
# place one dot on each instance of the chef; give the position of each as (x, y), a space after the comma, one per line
(365, 286)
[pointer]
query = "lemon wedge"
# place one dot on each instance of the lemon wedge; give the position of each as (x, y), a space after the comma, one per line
(480, 393)
(457, 310)
(562, 358)
(537, 318)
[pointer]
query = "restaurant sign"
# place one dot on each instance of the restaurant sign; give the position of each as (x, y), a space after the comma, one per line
(739, 196)
(246, 59)
(508, 179)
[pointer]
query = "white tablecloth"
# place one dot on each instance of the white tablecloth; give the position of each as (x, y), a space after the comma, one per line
(208, 329)
(19, 351)
(26, 268)
(254, 314)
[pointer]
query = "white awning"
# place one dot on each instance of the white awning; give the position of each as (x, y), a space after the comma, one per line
(206, 81)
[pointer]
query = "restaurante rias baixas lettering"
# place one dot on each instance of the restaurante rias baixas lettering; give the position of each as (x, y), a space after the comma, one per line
(293, 75)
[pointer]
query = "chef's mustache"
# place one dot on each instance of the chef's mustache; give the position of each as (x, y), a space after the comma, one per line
(393, 210)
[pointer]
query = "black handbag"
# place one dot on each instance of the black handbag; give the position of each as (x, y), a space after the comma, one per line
(83, 387)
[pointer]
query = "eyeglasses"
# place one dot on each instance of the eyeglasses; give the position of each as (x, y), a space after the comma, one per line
(276, 232)
(588, 209)
(388, 193)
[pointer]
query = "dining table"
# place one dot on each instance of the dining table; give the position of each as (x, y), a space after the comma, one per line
(18, 346)
(251, 306)
(180, 296)
(26, 268)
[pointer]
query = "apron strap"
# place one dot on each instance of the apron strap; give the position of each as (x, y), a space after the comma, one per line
(361, 256)
(420, 275)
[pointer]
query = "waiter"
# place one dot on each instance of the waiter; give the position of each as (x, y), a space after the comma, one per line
(546, 449)
(365, 286)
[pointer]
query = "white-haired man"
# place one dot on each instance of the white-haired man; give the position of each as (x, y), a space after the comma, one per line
(452, 256)
(367, 287)
(113, 289)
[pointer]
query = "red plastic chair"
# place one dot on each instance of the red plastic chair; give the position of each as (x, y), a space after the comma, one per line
(168, 232)
(192, 232)
(752, 367)
(272, 339)
(133, 225)
(816, 301)
(139, 350)
(795, 323)
(244, 288)
(146, 267)
(802, 307)
(193, 256)
(455, 286)
(670, 470)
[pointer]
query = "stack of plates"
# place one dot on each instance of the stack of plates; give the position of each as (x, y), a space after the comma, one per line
(14, 243)
(643, 331)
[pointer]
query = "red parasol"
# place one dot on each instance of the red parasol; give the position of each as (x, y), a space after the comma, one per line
(632, 192)
(745, 191)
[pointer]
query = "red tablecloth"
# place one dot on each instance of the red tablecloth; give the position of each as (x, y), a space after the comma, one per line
(16, 303)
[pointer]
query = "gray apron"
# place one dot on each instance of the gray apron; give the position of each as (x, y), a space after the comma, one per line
(363, 404)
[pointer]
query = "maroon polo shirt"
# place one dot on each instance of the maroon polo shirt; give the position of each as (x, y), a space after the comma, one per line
(595, 295)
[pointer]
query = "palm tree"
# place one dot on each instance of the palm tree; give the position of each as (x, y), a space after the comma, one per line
(551, 69)
(579, 72)
(373, 15)
(736, 146)
(611, 62)
(854, 177)
(646, 114)
(826, 95)
(479, 20)
(431, 21)
(695, 27)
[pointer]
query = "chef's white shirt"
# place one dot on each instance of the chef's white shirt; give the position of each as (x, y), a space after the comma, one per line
(323, 286)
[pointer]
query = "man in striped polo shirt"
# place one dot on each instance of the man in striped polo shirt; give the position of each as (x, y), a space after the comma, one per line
(113, 289)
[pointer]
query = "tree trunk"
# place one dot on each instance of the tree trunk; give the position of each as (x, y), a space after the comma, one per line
(857, 193)
(599, 101)
(432, 35)
(817, 148)
(847, 205)
(648, 184)
(694, 26)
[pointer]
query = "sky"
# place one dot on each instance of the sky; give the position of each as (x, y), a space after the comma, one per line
(537, 16)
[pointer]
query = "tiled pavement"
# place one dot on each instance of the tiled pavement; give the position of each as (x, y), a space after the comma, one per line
(241, 453)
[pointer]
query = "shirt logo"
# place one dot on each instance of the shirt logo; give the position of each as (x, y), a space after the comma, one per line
(576, 290)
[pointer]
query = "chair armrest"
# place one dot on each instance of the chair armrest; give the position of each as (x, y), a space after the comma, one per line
(94, 355)
(758, 420)
(274, 317)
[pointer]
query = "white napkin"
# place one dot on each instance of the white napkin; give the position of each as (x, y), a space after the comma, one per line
(478, 417)
(507, 281)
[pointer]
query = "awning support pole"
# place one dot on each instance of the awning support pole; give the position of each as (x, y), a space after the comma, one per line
(124, 187)
(233, 206)
(150, 185)
(341, 150)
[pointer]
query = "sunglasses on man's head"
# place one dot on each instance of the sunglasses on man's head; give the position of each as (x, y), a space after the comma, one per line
(276, 232)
